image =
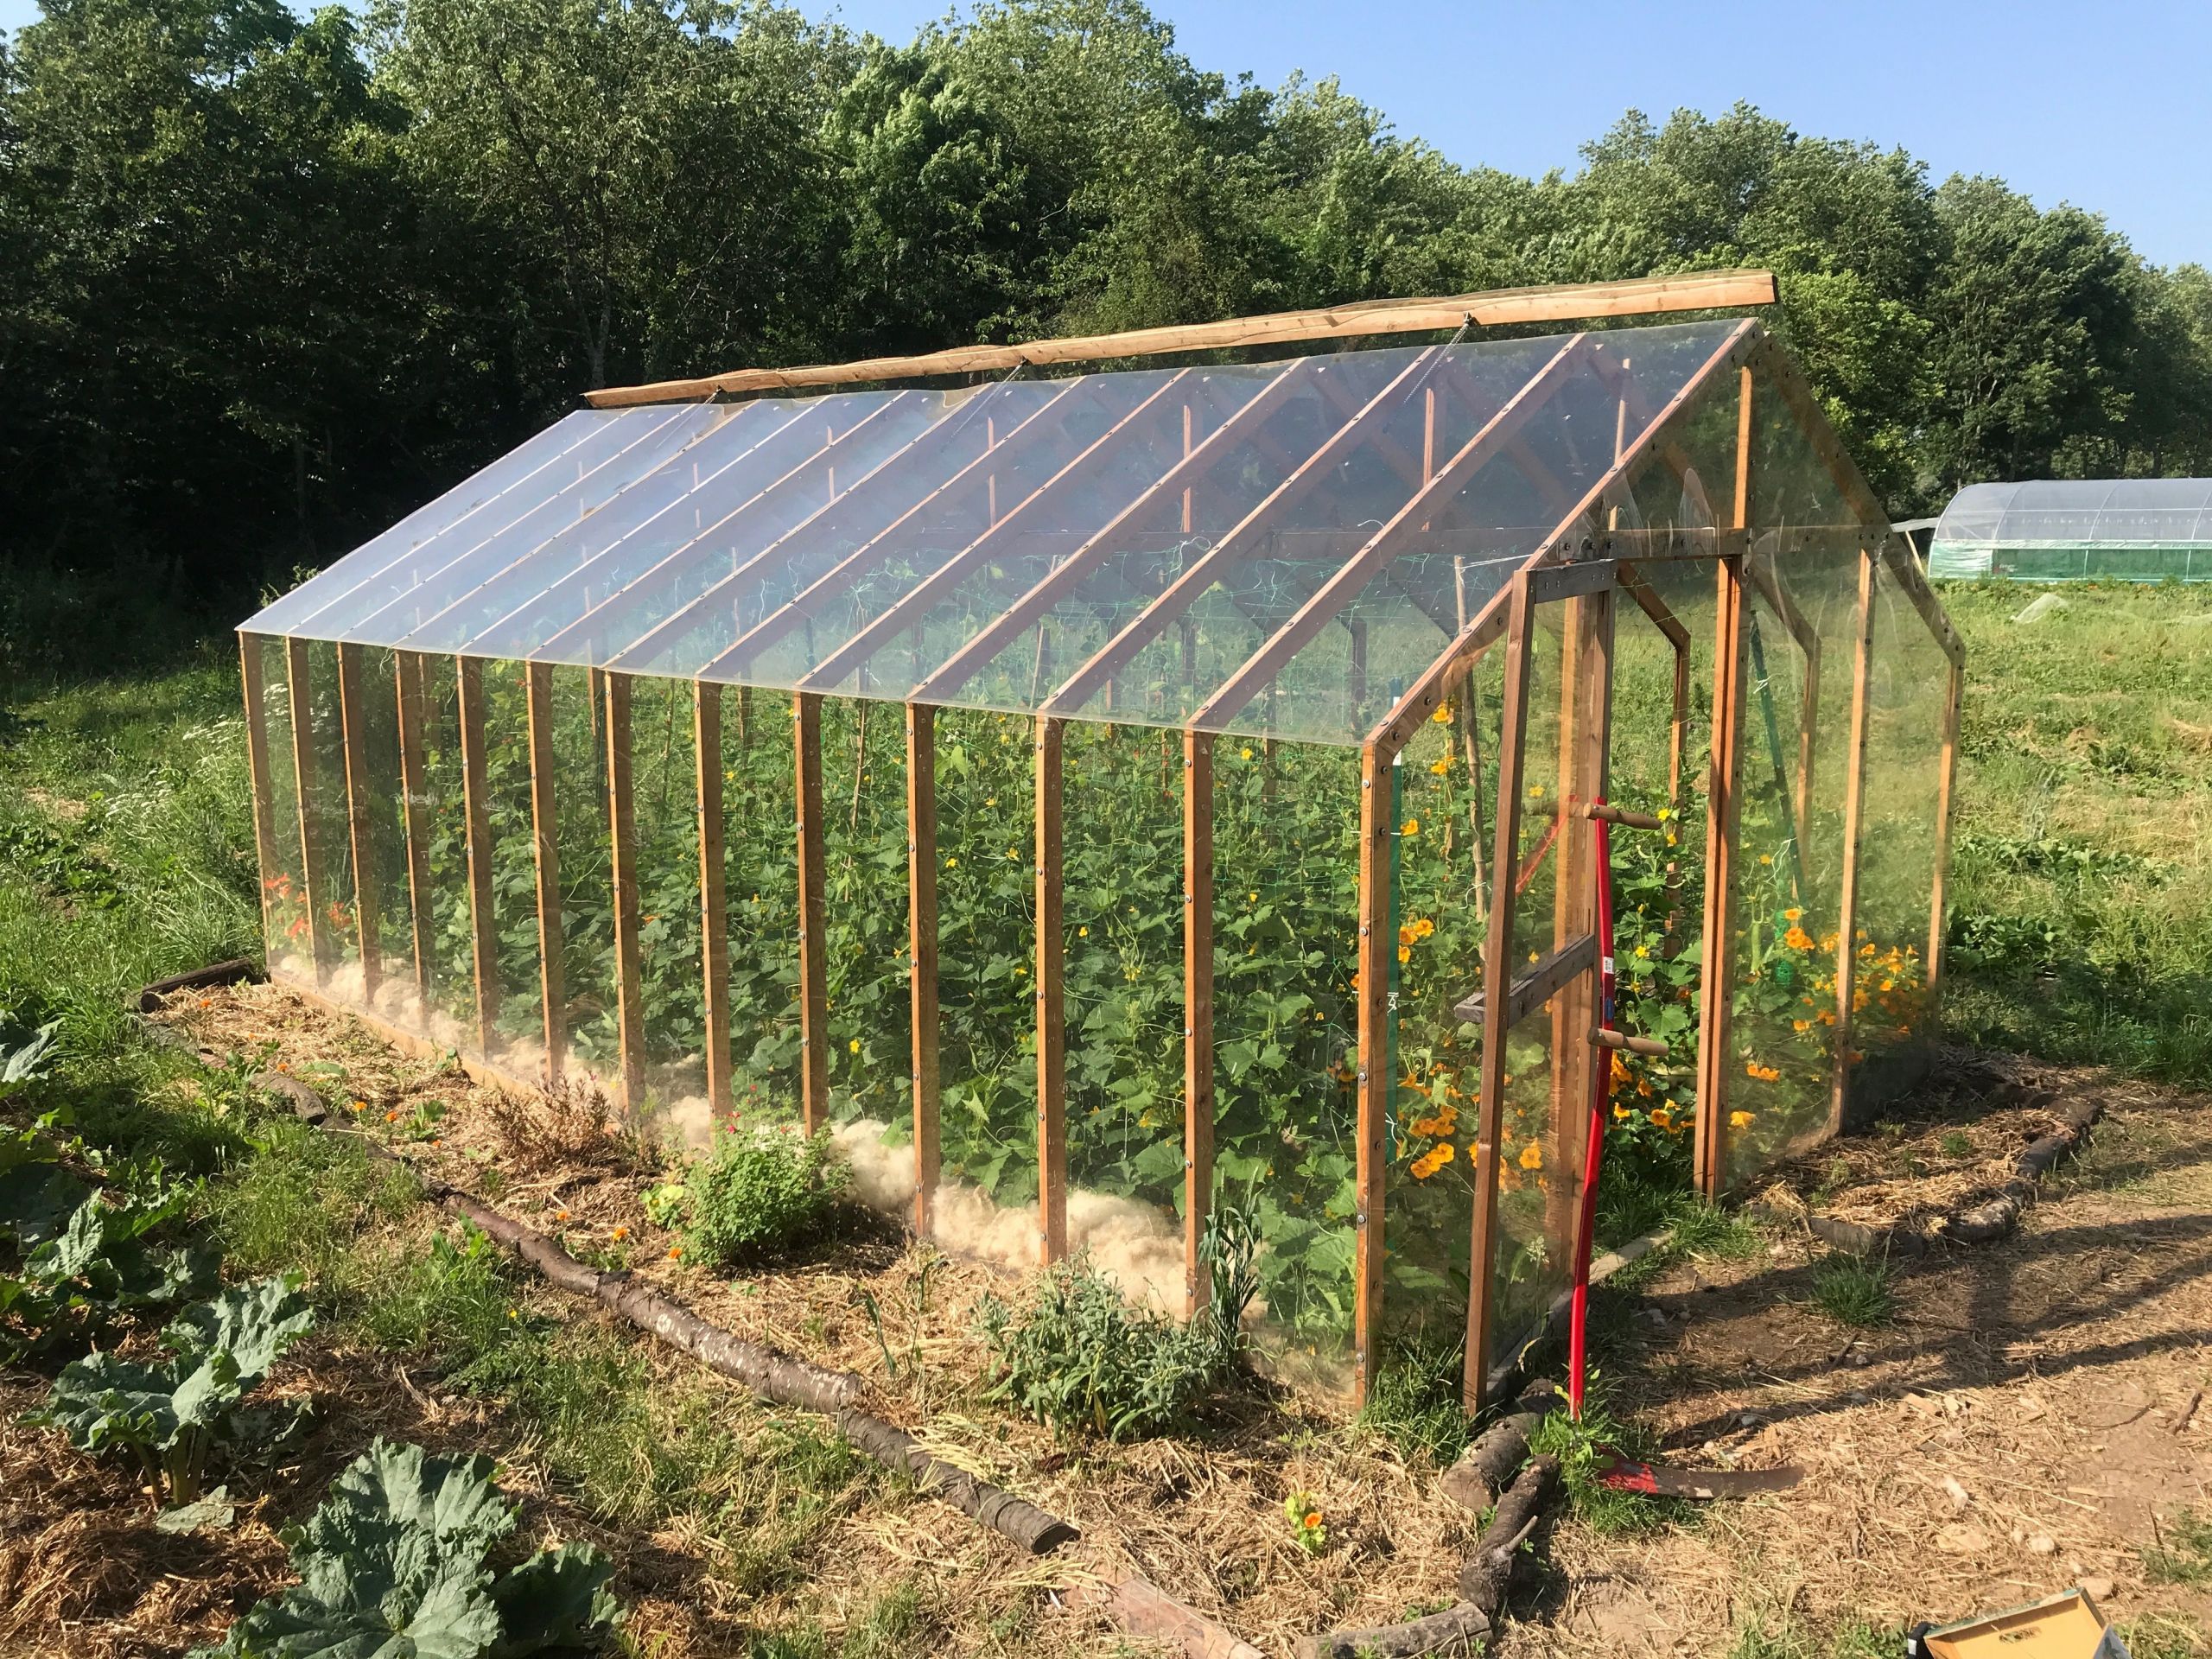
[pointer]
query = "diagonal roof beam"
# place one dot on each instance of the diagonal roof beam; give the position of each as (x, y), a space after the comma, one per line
(921, 448)
(915, 603)
(1387, 543)
(824, 454)
(1185, 591)
(1033, 606)
(872, 553)
(1422, 696)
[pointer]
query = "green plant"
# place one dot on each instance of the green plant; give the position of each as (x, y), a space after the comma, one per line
(1854, 1289)
(170, 1416)
(1077, 1357)
(666, 1203)
(2164, 1635)
(2181, 1549)
(1582, 1446)
(1698, 1228)
(1956, 1143)
(397, 1561)
(761, 1189)
(1417, 1401)
(1303, 1512)
(102, 1261)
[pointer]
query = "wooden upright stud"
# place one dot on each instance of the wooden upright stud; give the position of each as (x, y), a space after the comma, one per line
(714, 913)
(622, 839)
(475, 784)
(1497, 975)
(360, 818)
(1371, 982)
(252, 670)
(546, 861)
(813, 965)
(1946, 772)
(1854, 799)
(314, 870)
(1197, 1012)
(921, 950)
(1051, 1010)
(407, 671)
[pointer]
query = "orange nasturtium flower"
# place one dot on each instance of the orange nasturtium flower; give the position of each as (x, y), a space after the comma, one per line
(1412, 827)
(620, 1232)
(1532, 1156)
(1740, 1120)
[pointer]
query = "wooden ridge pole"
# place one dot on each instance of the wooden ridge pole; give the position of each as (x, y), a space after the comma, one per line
(475, 784)
(253, 671)
(407, 670)
(546, 861)
(1497, 975)
(1854, 799)
(622, 841)
(813, 966)
(1197, 1012)
(921, 952)
(1717, 988)
(314, 867)
(1052, 1009)
(359, 818)
(714, 909)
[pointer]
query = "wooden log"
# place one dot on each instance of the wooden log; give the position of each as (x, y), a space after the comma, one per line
(221, 973)
(1486, 1468)
(1486, 1576)
(1142, 1609)
(1457, 1630)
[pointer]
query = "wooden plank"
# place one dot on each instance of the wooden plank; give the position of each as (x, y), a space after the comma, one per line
(1497, 968)
(1586, 706)
(1531, 990)
(1052, 1008)
(1709, 291)
(252, 670)
(483, 924)
(622, 839)
(1855, 799)
(360, 810)
(1375, 1081)
(313, 869)
(1946, 772)
(545, 854)
(921, 952)
(407, 670)
(714, 908)
(813, 940)
(1197, 1012)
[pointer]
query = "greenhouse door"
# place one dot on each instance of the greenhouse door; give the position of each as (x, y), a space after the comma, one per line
(1538, 1064)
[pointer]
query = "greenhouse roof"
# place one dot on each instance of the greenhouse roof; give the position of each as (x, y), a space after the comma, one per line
(2110, 512)
(1259, 548)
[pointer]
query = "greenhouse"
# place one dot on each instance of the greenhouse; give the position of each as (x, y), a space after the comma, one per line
(1099, 797)
(2078, 529)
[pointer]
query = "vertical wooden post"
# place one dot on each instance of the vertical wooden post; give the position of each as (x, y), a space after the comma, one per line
(921, 950)
(1586, 734)
(813, 967)
(1716, 979)
(313, 869)
(1947, 772)
(475, 784)
(1375, 1083)
(552, 990)
(1051, 1011)
(1197, 1012)
(714, 911)
(1855, 799)
(252, 670)
(622, 839)
(359, 819)
(407, 668)
(1497, 977)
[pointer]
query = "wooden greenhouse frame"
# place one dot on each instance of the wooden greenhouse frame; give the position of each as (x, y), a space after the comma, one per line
(1566, 583)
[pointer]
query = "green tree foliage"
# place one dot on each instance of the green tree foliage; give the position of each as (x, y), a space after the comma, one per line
(270, 283)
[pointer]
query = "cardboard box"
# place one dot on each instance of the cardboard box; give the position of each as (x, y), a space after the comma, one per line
(2067, 1626)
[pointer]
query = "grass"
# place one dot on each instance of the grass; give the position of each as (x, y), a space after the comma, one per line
(2182, 1550)
(1853, 1290)
(2164, 1635)
(1760, 1636)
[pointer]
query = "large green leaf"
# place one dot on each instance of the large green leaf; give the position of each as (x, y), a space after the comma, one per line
(556, 1600)
(254, 1324)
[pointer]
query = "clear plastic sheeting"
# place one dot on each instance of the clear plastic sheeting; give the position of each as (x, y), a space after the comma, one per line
(2048, 530)
(1273, 549)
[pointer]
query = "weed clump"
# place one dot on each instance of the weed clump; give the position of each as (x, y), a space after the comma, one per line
(1080, 1359)
(1853, 1290)
(760, 1191)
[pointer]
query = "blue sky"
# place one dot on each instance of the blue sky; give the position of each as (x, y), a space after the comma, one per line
(2101, 106)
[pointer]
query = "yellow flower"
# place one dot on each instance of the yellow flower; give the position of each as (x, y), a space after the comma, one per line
(952, 863)
(1532, 1156)
(854, 1047)
(1443, 716)
(1405, 953)
(1663, 1117)
(1423, 928)
(1407, 935)
(1412, 827)
(1441, 765)
(1082, 933)
(1244, 754)
(1622, 1112)
(1010, 853)
(1798, 939)
(1766, 858)
(1794, 913)
(1800, 1025)
(1740, 1120)
(1442, 1152)
(1251, 898)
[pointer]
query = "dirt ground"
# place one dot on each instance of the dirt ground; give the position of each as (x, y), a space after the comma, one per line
(2052, 1379)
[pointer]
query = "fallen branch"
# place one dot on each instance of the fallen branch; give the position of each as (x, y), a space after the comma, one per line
(1456, 1630)
(1487, 1573)
(1486, 1468)
(773, 1376)
(221, 973)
